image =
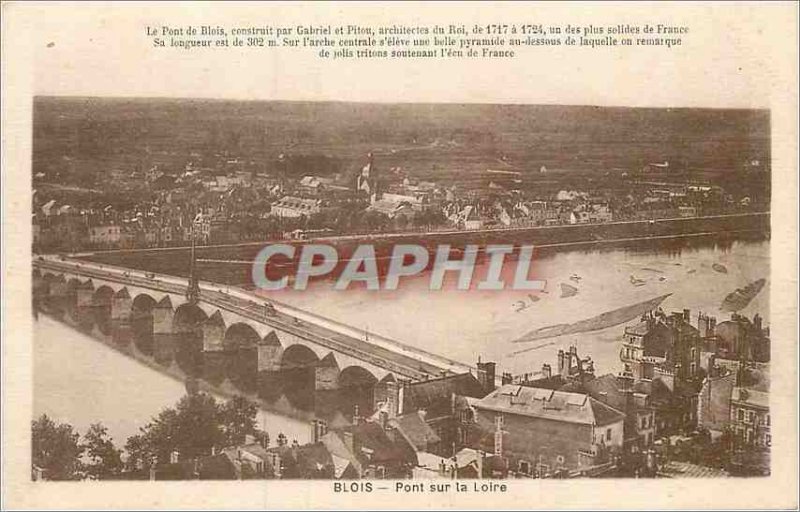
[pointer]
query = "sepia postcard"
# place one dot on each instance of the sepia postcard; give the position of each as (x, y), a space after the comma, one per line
(386, 255)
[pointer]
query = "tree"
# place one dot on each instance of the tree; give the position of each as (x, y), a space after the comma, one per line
(104, 458)
(191, 429)
(194, 429)
(140, 454)
(237, 418)
(55, 449)
(196, 426)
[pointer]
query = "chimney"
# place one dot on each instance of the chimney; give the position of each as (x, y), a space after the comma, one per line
(686, 315)
(486, 375)
(174, 457)
(422, 413)
(356, 417)
(547, 371)
(152, 473)
(561, 363)
(506, 378)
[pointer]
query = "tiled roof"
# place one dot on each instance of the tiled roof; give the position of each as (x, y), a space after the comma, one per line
(546, 403)
(434, 395)
(751, 397)
(371, 436)
(639, 329)
(415, 430)
(339, 450)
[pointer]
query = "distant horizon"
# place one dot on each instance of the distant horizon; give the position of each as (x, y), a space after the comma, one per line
(351, 102)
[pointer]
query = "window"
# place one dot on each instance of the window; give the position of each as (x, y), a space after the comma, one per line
(498, 421)
(768, 440)
(608, 434)
(524, 467)
(767, 418)
(740, 414)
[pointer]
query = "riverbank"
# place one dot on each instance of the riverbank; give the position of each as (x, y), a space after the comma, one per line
(232, 264)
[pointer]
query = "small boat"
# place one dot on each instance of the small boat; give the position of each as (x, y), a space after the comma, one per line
(568, 290)
(741, 297)
(575, 277)
(719, 267)
(691, 271)
(662, 278)
(636, 281)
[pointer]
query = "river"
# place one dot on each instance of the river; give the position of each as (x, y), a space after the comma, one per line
(462, 325)
(80, 380)
(466, 324)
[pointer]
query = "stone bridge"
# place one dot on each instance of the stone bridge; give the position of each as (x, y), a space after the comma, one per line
(232, 339)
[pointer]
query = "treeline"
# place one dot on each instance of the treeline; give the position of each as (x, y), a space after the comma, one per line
(196, 426)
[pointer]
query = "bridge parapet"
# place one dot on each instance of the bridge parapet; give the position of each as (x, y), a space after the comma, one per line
(167, 292)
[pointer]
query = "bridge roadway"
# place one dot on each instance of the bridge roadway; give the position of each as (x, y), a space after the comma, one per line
(396, 357)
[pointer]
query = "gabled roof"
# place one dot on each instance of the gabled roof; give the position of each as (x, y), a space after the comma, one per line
(340, 452)
(415, 430)
(550, 404)
(373, 437)
(435, 394)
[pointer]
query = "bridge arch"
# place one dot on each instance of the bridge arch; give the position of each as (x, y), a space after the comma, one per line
(55, 299)
(240, 335)
(356, 389)
(142, 322)
(356, 376)
(298, 356)
(187, 328)
(101, 308)
(70, 300)
(241, 343)
(298, 375)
